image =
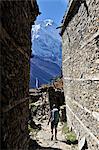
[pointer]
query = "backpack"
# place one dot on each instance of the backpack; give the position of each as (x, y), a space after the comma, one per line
(55, 115)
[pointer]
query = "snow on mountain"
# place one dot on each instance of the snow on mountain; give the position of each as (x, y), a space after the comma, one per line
(46, 51)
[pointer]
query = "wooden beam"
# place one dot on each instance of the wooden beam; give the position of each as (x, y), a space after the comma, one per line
(15, 103)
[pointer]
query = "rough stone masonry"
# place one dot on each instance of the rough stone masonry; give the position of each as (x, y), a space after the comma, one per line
(80, 42)
(17, 16)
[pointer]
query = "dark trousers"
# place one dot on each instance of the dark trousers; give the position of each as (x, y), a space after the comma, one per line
(54, 125)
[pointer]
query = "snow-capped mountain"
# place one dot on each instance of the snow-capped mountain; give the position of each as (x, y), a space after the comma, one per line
(46, 51)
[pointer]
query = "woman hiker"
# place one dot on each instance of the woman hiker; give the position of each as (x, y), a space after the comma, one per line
(54, 119)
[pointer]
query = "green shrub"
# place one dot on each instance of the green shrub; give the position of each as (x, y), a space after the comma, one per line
(65, 128)
(70, 135)
(29, 128)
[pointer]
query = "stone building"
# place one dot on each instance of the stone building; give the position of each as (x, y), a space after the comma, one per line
(16, 20)
(80, 42)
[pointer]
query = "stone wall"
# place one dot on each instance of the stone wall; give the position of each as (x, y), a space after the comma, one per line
(80, 42)
(16, 20)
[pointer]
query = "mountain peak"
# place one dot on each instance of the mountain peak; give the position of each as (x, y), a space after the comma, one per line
(46, 49)
(48, 22)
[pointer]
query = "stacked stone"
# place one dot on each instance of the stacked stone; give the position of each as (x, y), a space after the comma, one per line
(80, 36)
(16, 19)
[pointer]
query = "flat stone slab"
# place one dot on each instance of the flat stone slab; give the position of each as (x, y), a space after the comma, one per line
(81, 143)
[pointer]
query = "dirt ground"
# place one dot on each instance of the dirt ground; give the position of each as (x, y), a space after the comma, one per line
(43, 139)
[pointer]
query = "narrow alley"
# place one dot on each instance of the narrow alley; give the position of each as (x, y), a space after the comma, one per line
(40, 132)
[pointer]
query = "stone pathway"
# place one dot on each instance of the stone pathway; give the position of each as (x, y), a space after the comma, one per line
(43, 138)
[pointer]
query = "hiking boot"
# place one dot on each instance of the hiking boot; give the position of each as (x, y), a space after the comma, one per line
(52, 138)
(56, 138)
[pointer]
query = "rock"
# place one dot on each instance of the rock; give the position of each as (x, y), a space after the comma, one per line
(81, 143)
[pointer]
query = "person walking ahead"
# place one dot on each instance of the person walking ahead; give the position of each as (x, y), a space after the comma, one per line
(54, 119)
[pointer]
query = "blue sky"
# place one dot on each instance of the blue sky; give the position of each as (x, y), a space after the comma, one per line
(52, 9)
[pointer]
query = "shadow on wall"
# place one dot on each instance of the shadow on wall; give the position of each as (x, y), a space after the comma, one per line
(34, 145)
(56, 97)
